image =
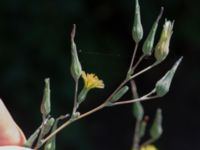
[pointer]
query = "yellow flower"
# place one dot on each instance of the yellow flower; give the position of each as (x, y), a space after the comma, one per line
(148, 147)
(92, 81)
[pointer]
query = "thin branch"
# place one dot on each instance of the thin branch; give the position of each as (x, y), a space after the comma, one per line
(144, 70)
(104, 104)
(75, 107)
(134, 100)
(71, 121)
(150, 93)
(136, 137)
(148, 142)
(134, 89)
(133, 57)
(138, 62)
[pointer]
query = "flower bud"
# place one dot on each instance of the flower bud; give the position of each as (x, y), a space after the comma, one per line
(138, 111)
(149, 42)
(162, 48)
(137, 31)
(119, 94)
(46, 103)
(156, 128)
(76, 69)
(163, 85)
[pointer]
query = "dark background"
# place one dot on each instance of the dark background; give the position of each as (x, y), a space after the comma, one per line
(34, 44)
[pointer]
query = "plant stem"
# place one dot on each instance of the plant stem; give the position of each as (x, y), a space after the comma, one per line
(138, 62)
(144, 70)
(75, 97)
(71, 121)
(133, 57)
(136, 138)
(104, 104)
(133, 100)
(38, 144)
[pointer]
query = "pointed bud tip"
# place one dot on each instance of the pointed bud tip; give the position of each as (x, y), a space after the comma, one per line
(73, 33)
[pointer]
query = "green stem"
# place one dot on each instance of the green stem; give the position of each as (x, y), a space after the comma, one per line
(138, 62)
(104, 104)
(75, 107)
(133, 58)
(136, 138)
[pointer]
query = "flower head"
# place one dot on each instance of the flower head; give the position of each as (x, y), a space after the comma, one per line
(162, 48)
(148, 147)
(92, 81)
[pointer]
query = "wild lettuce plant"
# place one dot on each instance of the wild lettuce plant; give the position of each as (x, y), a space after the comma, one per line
(45, 135)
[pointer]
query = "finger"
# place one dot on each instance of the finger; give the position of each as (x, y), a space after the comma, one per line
(10, 133)
(13, 148)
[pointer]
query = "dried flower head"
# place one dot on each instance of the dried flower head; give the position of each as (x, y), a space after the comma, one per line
(162, 48)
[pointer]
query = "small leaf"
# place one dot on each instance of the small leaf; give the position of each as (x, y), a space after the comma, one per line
(119, 94)
(46, 103)
(82, 95)
(163, 85)
(156, 128)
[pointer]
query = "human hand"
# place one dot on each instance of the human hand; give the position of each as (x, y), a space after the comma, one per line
(11, 136)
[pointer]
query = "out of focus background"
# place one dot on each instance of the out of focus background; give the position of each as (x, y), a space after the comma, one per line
(35, 43)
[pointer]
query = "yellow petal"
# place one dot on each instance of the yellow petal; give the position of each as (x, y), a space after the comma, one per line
(148, 147)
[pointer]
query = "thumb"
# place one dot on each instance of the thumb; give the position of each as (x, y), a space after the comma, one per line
(10, 133)
(13, 148)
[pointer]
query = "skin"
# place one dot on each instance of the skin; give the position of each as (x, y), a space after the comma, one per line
(11, 136)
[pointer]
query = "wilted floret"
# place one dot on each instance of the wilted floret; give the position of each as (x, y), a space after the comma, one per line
(162, 48)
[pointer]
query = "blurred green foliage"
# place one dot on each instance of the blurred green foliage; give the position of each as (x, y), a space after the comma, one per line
(35, 43)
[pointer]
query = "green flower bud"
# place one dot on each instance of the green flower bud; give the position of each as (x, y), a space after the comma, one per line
(76, 69)
(46, 103)
(149, 42)
(138, 111)
(156, 128)
(119, 94)
(137, 31)
(162, 48)
(163, 85)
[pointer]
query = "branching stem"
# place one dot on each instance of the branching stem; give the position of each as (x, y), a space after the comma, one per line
(133, 57)
(104, 104)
